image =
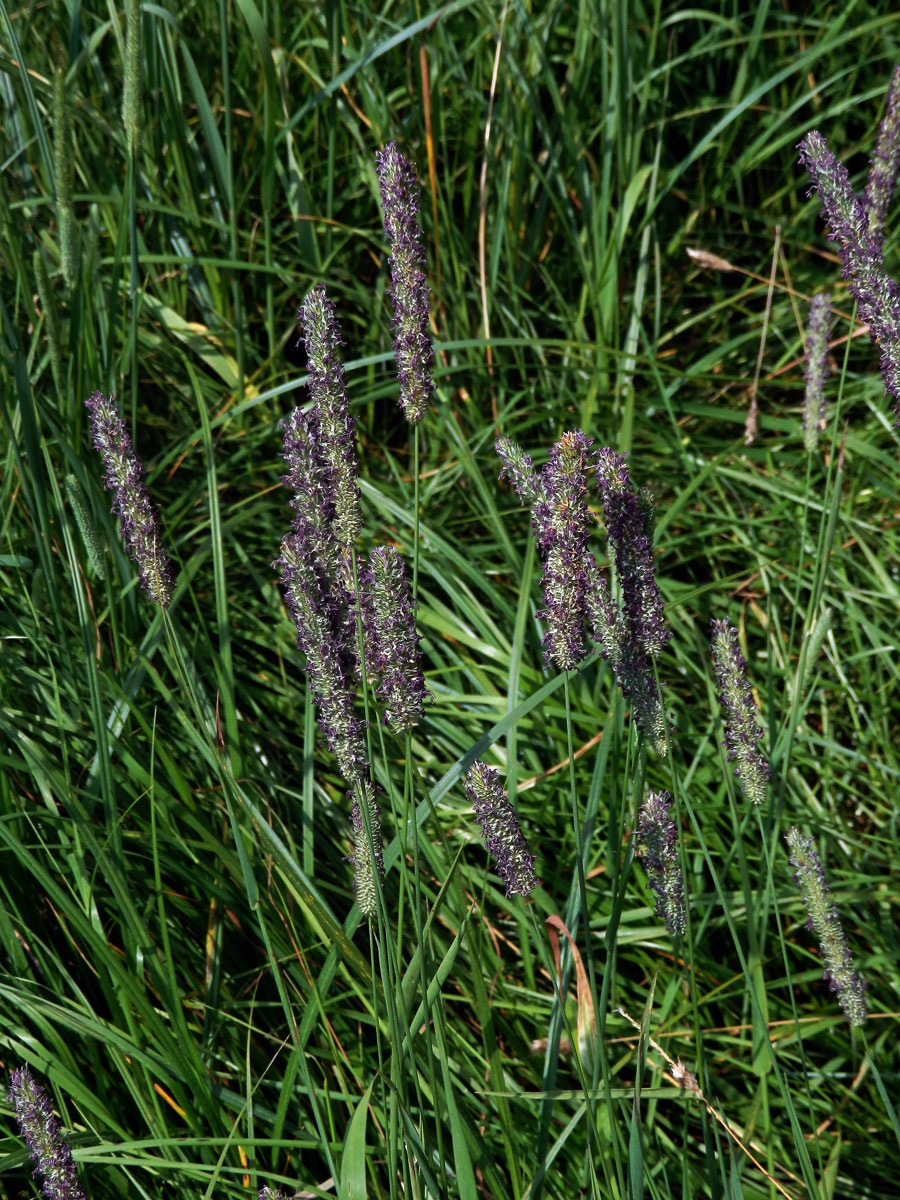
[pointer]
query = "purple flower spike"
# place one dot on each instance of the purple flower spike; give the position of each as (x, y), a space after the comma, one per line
(501, 830)
(336, 426)
(885, 164)
(391, 639)
(743, 730)
(825, 922)
(628, 664)
(409, 285)
(817, 333)
(44, 1137)
(658, 839)
(876, 294)
(313, 610)
(368, 863)
(629, 530)
(562, 524)
(125, 477)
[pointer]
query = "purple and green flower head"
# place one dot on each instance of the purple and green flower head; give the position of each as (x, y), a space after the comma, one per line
(501, 830)
(392, 644)
(413, 348)
(44, 1137)
(125, 478)
(658, 839)
(743, 729)
(335, 427)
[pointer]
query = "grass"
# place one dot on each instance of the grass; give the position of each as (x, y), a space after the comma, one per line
(183, 963)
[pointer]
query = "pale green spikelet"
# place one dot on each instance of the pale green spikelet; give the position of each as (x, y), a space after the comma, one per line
(62, 178)
(86, 527)
(368, 865)
(51, 318)
(815, 640)
(131, 89)
(825, 922)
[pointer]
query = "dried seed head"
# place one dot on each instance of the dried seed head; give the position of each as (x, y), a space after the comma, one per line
(825, 922)
(44, 1137)
(409, 285)
(743, 729)
(125, 477)
(501, 830)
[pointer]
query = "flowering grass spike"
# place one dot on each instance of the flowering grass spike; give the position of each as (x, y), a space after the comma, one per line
(392, 645)
(743, 729)
(312, 608)
(44, 1137)
(518, 469)
(629, 530)
(409, 284)
(628, 664)
(501, 830)
(336, 431)
(368, 863)
(885, 164)
(817, 331)
(125, 477)
(876, 294)
(825, 922)
(562, 525)
(658, 839)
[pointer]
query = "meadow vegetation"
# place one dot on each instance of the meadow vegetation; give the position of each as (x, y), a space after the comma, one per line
(621, 248)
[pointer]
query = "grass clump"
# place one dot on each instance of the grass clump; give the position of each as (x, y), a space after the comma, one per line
(213, 1008)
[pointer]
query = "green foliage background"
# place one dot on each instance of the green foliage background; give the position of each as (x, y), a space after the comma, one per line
(182, 962)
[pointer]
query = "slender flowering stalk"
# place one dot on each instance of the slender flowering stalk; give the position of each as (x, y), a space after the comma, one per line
(817, 333)
(519, 470)
(409, 285)
(629, 526)
(125, 477)
(391, 639)
(825, 922)
(743, 729)
(62, 178)
(877, 296)
(562, 524)
(312, 607)
(368, 863)
(44, 1137)
(885, 164)
(336, 426)
(658, 839)
(501, 830)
